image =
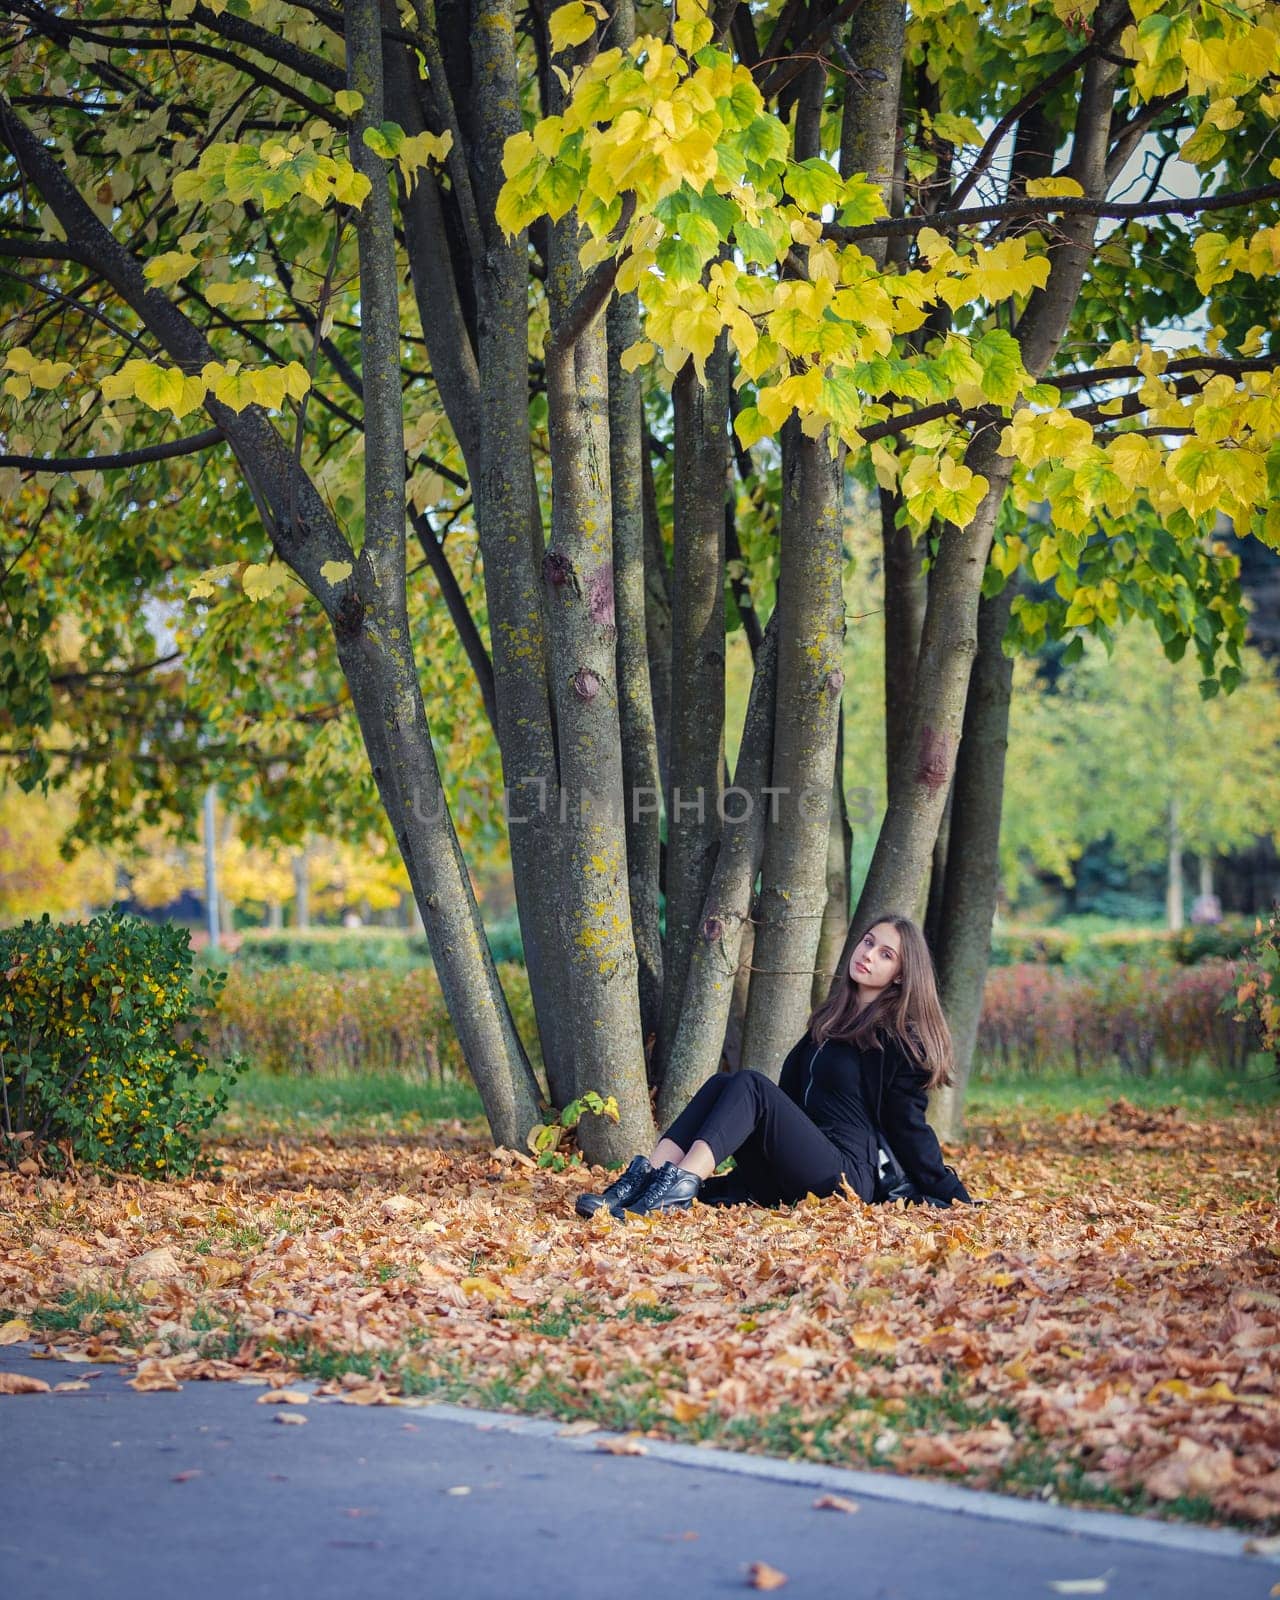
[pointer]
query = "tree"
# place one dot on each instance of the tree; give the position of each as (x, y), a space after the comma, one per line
(1123, 744)
(470, 248)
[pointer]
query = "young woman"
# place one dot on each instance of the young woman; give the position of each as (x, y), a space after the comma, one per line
(869, 1057)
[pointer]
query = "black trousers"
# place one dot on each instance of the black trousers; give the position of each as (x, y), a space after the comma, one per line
(780, 1155)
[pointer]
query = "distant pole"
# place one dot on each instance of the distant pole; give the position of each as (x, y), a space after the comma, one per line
(211, 864)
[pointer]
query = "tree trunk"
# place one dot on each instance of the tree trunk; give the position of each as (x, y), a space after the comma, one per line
(275, 916)
(1173, 902)
(905, 597)
(657, 616)
(718, 953)
(642, 789)
(793, 888)
(948, 643)
(835, 915)
(485, 394)
(593, 895)
(642, 784)
(301, 864)
(972, 875)
(373, 647)
(696, 760)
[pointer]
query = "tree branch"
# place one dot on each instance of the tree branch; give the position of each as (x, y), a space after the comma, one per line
(125, 458)
(1065, 205)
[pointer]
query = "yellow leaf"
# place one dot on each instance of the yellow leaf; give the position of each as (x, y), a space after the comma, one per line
(683, 1409)
(636, 355)
(336, 572)
(877, 1339)
(171, 267)
(14, 1331)
(483, 1286)
(693, 28)
(348, 102)
(262, 581)
(570, 25)
(1044, 188)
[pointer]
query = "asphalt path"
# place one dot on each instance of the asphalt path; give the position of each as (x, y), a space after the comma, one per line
(200, 1494)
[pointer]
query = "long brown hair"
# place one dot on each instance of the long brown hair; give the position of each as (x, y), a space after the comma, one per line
(907, 1011)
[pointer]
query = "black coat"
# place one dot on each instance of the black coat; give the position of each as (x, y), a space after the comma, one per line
(850, 1093)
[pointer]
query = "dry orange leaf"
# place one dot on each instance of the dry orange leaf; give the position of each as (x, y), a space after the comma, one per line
(626, 1446)
(683, 1409)
(760, 1575)
(284, 1397)
(71, 1387)
(291, 1419)
(19, 1383)
(834, 1502)
(15, 1330)
(153, 1376)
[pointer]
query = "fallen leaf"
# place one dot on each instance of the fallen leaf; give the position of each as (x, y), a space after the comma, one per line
(153, 1376)
(626, 1446)
(459, 1489)
(15, 1330)
(186, 1477)
(70, 1387)
(284, 1397)
(834, 1502)
(1081, 1585)
(571, 1430)
(290, 1419)
(19, 1383)
(683, 1409)
(159, 1265)
(760, 1575)
(1267, 1545)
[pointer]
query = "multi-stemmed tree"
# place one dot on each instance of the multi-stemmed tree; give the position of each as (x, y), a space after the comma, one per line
(528, 267)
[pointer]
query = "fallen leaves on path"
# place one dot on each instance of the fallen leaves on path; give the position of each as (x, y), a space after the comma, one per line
(1109, 1322)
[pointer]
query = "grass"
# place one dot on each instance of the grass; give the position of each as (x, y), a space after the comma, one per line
(1202, 1090)
(381, 1103)
(376, 1101)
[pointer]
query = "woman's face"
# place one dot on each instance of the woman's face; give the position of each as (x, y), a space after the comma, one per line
(877, 960)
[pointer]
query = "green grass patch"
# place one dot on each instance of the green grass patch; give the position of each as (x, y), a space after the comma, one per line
(1201, 1091)
(87, 1311)
(357, 1103)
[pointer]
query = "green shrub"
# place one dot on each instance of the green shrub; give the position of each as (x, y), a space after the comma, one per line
(1097, 951)
(101, 1051)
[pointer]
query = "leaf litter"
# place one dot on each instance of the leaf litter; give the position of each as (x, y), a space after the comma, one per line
(1105, 1329)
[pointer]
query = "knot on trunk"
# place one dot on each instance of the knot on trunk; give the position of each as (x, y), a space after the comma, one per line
(348, 618)
(835, 682)
(557, 570)
(586, 684)
(934, 767)
(713, 928)
(600, 595)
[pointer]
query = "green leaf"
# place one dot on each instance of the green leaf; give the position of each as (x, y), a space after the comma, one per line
(1000, 357)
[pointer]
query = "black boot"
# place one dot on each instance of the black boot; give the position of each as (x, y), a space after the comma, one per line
(622, 1189)
(670, 1188)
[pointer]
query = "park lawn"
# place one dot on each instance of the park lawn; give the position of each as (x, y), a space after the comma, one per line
(1104, 1332)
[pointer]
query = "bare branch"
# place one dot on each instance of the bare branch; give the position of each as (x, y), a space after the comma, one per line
(125, 458)
(1063, 205)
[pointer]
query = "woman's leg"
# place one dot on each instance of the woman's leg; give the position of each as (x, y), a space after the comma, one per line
(778, 1150)
(678, 1141)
